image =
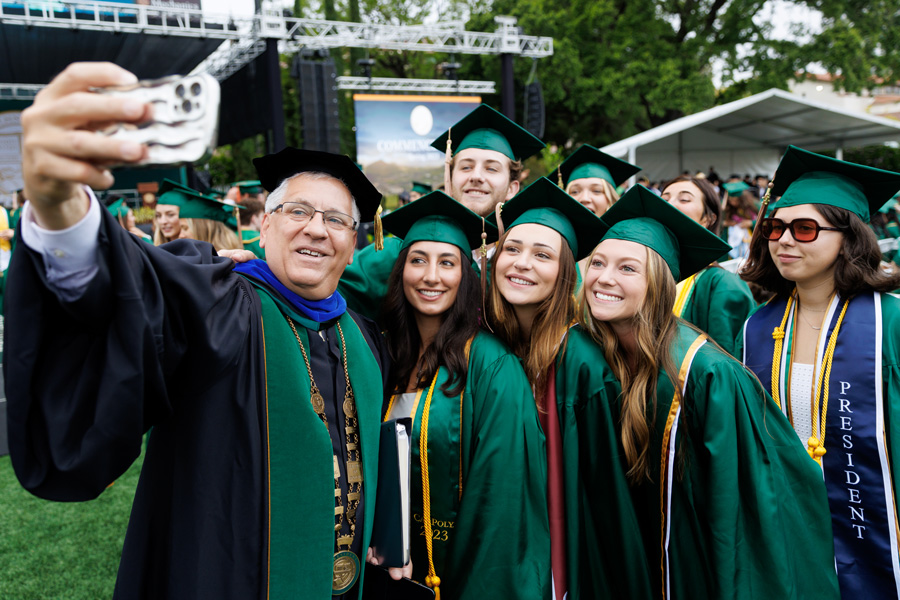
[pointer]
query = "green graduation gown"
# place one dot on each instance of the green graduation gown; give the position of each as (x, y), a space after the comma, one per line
(605, 554)
(490, 532)
(718, 303)
(250, 238)
(735, 508)
(364, 282)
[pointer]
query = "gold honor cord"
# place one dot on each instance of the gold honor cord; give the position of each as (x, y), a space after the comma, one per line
(346, 563)
(815, 445)
(431, 580)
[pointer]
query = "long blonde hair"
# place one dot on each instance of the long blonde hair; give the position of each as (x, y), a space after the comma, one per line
(551, 320)
(214, 232)
(654, 331)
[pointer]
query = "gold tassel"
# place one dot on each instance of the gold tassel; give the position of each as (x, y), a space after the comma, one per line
(483, 262)
(559, 181)
(448, 158)
(497, 210)
(379, 231)
(765, 205)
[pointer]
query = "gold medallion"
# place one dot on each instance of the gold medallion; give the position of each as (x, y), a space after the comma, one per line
(318, 403)
(346, 571)
(349, 406)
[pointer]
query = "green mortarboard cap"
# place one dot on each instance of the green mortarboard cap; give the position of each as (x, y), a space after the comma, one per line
(587, 161)
(213, 193)
(118, 209)
(736, 188)
(192, 204)
(804, 177)
(544, 203)
(275, 168)
(487, 129)
(422, 188)
(436, 217)
(251, 186)
(643, 217)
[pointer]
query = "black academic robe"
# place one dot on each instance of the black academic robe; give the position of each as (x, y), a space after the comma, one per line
(168, 338)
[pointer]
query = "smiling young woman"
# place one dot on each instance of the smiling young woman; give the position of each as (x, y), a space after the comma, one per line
(531, 306)
(478, 475)
(712, 465)
(713, 299)
(827, 347)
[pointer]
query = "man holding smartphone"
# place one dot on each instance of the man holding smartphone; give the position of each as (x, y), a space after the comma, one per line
(263, 391)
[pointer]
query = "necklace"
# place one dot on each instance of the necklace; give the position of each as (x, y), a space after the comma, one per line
(807, 320)
(346, 563)
(816, 442)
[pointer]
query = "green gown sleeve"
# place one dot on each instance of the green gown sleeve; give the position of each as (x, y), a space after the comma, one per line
(719, 304)
(364, 282)
(750, 517)
(605, 553)
(502, 541)
(890, 352)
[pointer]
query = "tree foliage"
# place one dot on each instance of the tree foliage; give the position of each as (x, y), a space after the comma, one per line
(622, 66)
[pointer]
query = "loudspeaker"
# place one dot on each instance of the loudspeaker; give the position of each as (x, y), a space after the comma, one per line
(317, 86)
(534, 108)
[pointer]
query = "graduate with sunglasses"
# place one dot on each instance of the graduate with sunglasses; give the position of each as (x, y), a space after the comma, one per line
(827, 347)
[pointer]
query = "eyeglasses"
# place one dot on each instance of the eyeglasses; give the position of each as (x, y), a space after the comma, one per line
(303, 213)
(802, 230)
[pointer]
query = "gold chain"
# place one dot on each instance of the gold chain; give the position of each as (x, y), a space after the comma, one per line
(351, 423)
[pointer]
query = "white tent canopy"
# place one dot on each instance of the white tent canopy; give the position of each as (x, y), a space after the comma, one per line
(749, 136)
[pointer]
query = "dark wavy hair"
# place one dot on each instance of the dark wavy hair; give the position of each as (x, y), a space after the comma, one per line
(856, 268)
(448, 349)
(712, 206)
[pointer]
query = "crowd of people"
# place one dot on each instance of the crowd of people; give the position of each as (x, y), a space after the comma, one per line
(599, 410)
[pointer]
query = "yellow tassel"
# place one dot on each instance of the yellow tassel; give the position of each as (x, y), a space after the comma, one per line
(497, 210)
(559, 178)
(765, 204)
(379, 231)
(448, 158)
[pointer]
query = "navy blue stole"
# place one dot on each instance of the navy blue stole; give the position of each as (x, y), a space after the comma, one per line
(855, 465)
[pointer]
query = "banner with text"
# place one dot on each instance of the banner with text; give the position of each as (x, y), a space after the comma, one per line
(394, 135)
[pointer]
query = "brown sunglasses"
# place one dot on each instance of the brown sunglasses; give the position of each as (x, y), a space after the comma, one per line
(802, 230)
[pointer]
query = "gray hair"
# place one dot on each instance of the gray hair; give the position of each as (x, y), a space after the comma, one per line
(277, 195)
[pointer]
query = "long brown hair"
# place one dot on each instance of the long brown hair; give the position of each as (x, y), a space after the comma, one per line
(551, 320)
(856, 268)
(448, 349)
(654, 331)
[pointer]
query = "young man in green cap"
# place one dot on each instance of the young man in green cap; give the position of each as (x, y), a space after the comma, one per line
(827, 347)
(728, 503)
(484, 154)
(251, 221)
(264, 392)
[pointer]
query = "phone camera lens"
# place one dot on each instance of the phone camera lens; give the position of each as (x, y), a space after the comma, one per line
(195, 89)
(186, 106)
(180, 91)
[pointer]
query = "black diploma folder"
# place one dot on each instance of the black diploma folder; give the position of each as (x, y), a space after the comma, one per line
(390, 530)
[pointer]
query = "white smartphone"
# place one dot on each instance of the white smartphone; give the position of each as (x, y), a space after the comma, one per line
(185, 118)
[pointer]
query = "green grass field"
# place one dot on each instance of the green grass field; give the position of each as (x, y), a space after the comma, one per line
(61, 549)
